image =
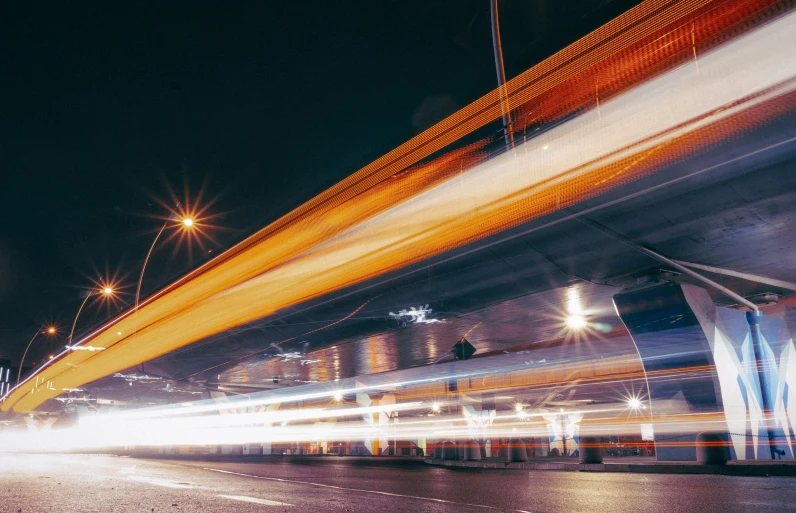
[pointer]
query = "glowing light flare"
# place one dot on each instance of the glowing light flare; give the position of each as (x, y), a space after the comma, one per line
(634, 403)
(576, 322)
(190, 220)
(574, 305)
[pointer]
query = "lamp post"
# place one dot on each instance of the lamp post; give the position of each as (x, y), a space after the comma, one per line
(501, 74)
(187, 222)
(105, 290)
(50, 330)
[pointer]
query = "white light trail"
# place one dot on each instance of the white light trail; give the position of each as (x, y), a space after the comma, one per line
(84, 348)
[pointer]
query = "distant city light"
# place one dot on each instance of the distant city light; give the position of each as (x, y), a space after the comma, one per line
(518, 407)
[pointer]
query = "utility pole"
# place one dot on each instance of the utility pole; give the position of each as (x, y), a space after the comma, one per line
(501, 75)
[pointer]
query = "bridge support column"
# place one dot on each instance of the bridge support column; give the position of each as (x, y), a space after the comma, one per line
(702, 359)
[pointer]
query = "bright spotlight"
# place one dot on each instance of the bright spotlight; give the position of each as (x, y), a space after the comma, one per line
(188, 222)
(518, 407)
(338, 396)
(435, 407)
(107, 291)
(634, 403)
(576, 322)
(51, 330)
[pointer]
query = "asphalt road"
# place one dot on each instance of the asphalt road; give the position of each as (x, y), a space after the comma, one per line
(96, 483)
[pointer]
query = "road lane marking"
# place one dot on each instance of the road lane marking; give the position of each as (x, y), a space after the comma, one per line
(389, 494)
(254, 500)
(160, 482)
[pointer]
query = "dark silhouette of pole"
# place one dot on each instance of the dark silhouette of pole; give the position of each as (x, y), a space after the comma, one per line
(501, 74)
(48, 331)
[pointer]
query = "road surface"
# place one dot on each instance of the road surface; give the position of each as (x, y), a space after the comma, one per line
(99, 483)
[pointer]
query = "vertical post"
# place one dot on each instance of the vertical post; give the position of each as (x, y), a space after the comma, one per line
(753, 318)
(501, 75)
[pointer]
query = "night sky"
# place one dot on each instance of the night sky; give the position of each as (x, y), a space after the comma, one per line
(106, 107)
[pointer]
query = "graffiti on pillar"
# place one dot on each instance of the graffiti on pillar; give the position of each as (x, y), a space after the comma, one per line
(743, 383)
(478, 421)
(563, 431)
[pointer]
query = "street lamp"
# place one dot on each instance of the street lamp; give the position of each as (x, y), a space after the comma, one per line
(187, 222)
(106, 290)
(501, 74)
(50, 330)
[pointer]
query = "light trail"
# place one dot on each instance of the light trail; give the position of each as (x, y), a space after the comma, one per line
(245, 428)
(435, 208)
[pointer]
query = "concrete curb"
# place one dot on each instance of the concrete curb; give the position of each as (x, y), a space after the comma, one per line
(686, 467)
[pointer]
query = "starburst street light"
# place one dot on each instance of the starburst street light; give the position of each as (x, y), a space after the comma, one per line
(186, 221)
(107, 290)
(45, 330)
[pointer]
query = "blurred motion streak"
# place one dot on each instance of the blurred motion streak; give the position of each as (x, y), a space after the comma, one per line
(666, 81)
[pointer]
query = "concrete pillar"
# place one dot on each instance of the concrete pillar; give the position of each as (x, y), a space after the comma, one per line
(252, 449)
(517, 452)
(711, 449)
(668, 335)
(590, 450)
(449, 451)
(469, 450)
(503, 449)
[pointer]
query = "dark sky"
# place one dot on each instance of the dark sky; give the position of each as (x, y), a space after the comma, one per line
(106, 106)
